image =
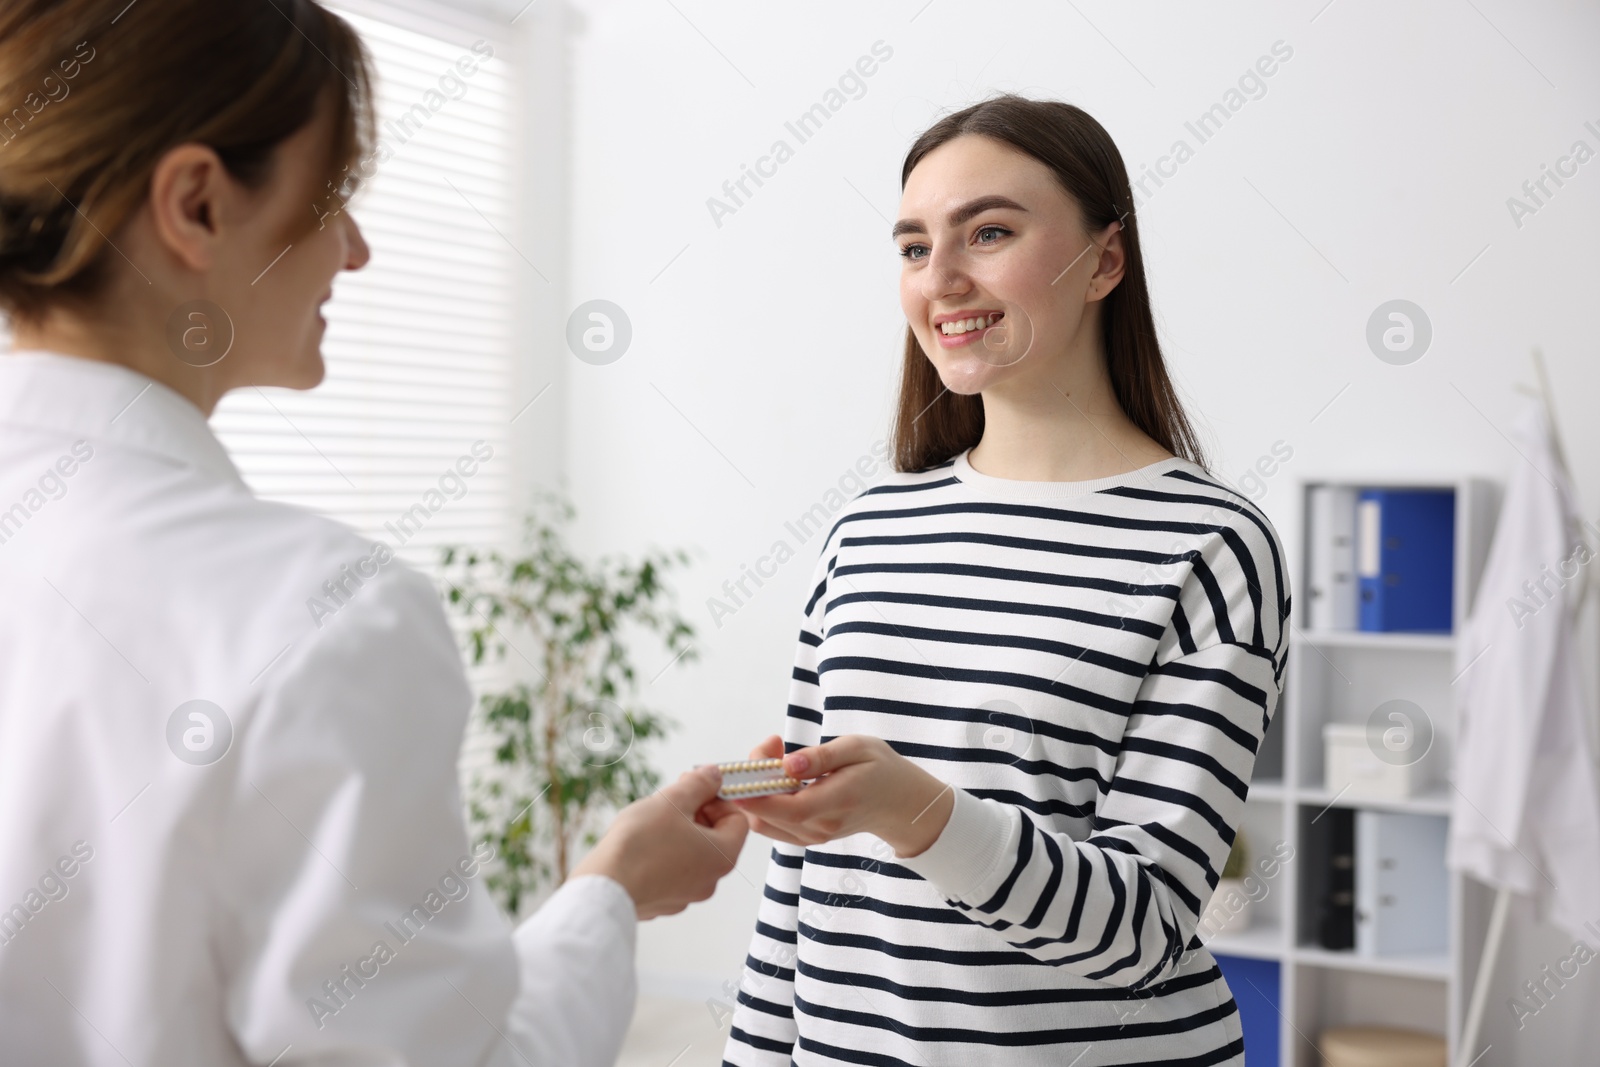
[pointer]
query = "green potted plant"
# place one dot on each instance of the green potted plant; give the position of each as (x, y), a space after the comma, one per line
(567, 745)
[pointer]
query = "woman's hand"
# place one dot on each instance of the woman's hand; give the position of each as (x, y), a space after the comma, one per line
(862, 785)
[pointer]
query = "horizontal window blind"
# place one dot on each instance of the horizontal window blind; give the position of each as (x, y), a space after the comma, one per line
(419, 345)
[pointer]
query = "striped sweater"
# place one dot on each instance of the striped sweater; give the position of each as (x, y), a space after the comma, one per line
(1091, 666)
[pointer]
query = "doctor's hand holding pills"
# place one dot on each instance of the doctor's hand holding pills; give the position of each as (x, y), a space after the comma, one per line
(670, 849)
(858, 785)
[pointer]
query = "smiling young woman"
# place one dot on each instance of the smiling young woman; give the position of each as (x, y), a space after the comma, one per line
(1024, 206)
(1034, 666)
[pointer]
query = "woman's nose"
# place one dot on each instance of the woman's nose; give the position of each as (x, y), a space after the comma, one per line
(944, 276)
(359, 253)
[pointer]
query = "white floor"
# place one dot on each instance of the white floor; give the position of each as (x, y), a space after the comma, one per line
(673, 1033)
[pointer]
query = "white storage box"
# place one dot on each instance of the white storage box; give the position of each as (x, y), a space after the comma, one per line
(1348, 759)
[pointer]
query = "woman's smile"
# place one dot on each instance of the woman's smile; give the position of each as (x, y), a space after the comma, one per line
(960, 328)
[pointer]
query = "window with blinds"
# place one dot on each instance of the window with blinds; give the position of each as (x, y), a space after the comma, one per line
(419, 344)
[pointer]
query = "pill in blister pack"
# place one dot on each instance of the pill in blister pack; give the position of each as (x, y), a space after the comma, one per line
(755, 778)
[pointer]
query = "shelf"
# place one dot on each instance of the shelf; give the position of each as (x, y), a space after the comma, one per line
(1435, 800)
(1346, 676)
(1435, 967)
(1260, 942)
(1388, 641)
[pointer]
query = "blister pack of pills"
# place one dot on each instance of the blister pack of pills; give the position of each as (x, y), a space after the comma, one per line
(755, 778)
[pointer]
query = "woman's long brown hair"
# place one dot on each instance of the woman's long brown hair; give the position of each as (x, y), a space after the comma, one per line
(932, 424)
(95, 92)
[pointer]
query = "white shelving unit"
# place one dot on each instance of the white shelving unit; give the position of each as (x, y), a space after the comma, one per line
(1341, 677)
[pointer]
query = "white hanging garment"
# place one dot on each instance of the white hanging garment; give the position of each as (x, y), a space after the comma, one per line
(1526, 811)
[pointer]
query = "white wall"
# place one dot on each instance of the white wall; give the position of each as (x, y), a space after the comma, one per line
(1376, 165)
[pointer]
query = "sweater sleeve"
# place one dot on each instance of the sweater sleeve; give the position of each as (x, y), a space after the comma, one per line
(763, 1028)
(1122, 904)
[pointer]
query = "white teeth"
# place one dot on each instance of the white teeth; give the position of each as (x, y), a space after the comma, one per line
(960, 326)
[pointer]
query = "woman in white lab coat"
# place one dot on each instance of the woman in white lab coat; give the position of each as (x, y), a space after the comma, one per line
(230, 832)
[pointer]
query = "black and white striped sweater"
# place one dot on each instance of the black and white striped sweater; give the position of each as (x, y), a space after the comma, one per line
(1092, 666)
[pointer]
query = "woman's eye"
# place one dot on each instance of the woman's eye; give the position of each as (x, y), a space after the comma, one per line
(910, 251)
(999, 231)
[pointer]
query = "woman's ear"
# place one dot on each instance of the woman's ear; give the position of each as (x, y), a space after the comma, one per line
(1112, 262)
(187, 190)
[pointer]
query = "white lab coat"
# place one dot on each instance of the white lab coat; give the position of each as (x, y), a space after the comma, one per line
(1526, 811)
(159, 909)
